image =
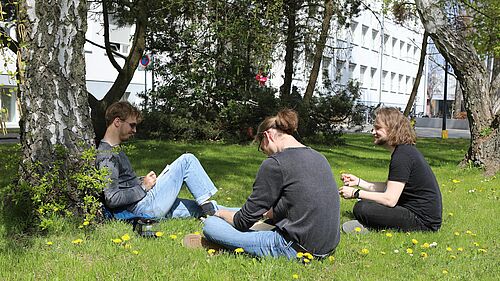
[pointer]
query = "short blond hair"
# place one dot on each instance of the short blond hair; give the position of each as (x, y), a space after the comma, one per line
(122, 110)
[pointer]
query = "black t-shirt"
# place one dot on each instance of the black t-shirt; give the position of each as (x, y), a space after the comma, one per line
(421, 193)
(298, 184)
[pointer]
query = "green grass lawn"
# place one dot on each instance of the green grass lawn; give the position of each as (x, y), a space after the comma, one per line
(467, 245)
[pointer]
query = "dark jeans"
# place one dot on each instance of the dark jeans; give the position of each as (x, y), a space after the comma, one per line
(377, 216)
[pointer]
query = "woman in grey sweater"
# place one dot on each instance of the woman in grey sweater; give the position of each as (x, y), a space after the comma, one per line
(295, 188)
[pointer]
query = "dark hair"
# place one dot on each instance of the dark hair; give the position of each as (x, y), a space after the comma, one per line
(286, 121)
(399, 129)
(122, 110)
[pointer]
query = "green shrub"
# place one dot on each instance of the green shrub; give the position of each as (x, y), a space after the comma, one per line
(68, 189)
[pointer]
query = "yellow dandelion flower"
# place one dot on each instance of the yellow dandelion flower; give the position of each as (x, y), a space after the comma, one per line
(228, 198)
(456, 233)
(159, 234)
(307, 260)
(425, 245)
(173, 236)
(85, 223)
(295, 276)
(365, 251)
(468, 232)
(476, 244)
(445, 271)
(460, 249)
(239, 250)
(453, 257)
(127, 246)
(331, 258)
(309, 256)
(449, 249)
(382, 253)
(197, 233)
(481, 250)
(300, 255)
(126, 237)
(135, 252)
(80, 226)
(117, 240)
(409, 251)
(211, 251)
(49, 243)
(450, 214)
(455, 181)
(423, 254)
(414, 241)
(388, 234)
(357, 229)
(77, 241)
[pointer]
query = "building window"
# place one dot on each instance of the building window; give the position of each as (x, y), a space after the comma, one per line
(393, 82)
(7, 104)
(352, 68)
(362, 70)
(364, 34)
(394, 46)
(373, 80)
(384, 80)
(339, 69)
(387, 45)
(408, 52)
(400, 84)
(325, 70)
(354, 25)
(401, 49)
(407, 84)
(125, 96)
(375, 46)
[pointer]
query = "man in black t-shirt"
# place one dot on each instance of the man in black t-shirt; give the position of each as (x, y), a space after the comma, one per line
(410, 199)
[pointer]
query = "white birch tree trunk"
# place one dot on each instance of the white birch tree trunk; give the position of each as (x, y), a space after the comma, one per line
(54, 103)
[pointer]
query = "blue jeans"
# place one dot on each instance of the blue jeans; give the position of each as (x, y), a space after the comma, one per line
(256, 243)
(162, 201)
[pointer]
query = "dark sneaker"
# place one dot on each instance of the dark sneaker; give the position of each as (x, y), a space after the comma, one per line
(354, 227)
(209, 208)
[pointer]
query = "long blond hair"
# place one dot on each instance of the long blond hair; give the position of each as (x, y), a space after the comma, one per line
(399, 129)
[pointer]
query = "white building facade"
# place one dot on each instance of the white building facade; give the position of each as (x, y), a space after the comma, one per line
(386, 70)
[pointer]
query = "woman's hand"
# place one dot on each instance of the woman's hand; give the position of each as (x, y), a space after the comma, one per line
(350, 180)
(347, 192)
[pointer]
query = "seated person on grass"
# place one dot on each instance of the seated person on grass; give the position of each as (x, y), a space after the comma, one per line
(153, 197)
(294, 187)
(410, 200)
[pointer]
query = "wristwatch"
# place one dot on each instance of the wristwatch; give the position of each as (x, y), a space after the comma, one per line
(356, 193)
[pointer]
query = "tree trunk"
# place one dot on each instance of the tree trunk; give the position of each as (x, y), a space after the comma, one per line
(320, 46)
(290, 44)
(421, 62)
(54, 103)
(474, 80)
(125, 73)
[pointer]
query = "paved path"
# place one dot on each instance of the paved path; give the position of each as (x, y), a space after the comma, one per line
(436, 133)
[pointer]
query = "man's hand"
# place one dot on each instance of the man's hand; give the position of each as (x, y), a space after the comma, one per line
(350, 180)
(347, 192)
(149, 180)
